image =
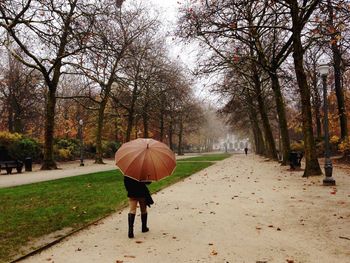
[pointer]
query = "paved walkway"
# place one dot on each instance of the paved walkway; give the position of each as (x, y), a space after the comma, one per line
(242, 209)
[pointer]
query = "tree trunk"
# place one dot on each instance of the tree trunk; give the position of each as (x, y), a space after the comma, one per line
(317, 106)
(312, 166)
(179, 147)
(281, 116)
(131, 112)
(258, 137)
(161, 119)
(171, 132)
(116, 128)
(99, 130)
(129, 126)
(10, 118)
(270, 142)
(145, 125)
(48, 161)
(161, 127)
(337, 57)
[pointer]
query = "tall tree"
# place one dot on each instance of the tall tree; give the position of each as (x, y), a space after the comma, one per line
(48, 33)
(114, 31)
(300, 15)
(335, 35)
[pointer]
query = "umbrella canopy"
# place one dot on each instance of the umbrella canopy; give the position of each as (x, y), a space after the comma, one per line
(145, 160)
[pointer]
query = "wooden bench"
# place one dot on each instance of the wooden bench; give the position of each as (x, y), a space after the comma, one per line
(9, 165)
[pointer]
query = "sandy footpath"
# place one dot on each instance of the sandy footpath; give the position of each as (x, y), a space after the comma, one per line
(242, 209)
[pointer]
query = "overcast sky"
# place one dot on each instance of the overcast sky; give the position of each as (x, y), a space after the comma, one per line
(168, 10)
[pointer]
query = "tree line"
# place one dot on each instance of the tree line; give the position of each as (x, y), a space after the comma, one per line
(267, 55)
(103, 62)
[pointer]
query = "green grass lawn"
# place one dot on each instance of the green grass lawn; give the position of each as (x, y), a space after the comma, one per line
(30, 211)
(207, 157)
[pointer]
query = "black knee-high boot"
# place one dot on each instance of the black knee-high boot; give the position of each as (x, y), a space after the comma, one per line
(144, 223)
(131, 219)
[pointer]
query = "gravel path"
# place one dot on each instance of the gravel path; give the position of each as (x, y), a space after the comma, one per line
(242, 209)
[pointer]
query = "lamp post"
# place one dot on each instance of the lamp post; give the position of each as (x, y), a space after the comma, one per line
(81, 123)
(328, 167)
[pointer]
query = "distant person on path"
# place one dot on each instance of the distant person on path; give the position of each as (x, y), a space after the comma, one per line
(246, 150)
(137, 193)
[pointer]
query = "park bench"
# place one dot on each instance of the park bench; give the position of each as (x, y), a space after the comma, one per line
(7, 163)
(295, 159)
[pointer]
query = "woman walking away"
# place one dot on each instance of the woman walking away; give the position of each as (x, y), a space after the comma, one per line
(137, 193)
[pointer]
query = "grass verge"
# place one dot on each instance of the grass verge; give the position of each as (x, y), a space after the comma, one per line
(30, 211)
(207, 158)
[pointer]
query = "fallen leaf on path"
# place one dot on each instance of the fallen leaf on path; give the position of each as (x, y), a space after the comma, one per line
(138, 242)
(173, 237)
(333, 192)
(290, 260)
(278, 229)
(258, 228)
(119, 261)
(270, 225)
(214, 253)
(210, 244)
(79, 249)
(128, 256)
(48, 259)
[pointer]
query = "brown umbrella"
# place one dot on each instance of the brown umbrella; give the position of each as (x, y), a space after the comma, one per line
(145, 159)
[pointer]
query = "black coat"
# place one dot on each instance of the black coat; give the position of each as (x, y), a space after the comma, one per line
(137, 189)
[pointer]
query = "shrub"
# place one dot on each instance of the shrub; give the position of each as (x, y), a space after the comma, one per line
(64, 155)
(24, 148)
(109, 148)
(297, 146)
(66, 149)
(344, 146)
(7, 138)
(334, 139)
(19, 147)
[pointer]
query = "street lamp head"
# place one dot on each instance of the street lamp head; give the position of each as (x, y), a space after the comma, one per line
(81, 122)
(323, 68)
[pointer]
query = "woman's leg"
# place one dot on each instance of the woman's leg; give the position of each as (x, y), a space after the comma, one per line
(132, 205)
(131, 216)
(143, 207)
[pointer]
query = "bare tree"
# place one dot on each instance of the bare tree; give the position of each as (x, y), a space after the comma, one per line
(48, 33)
(114, 33)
